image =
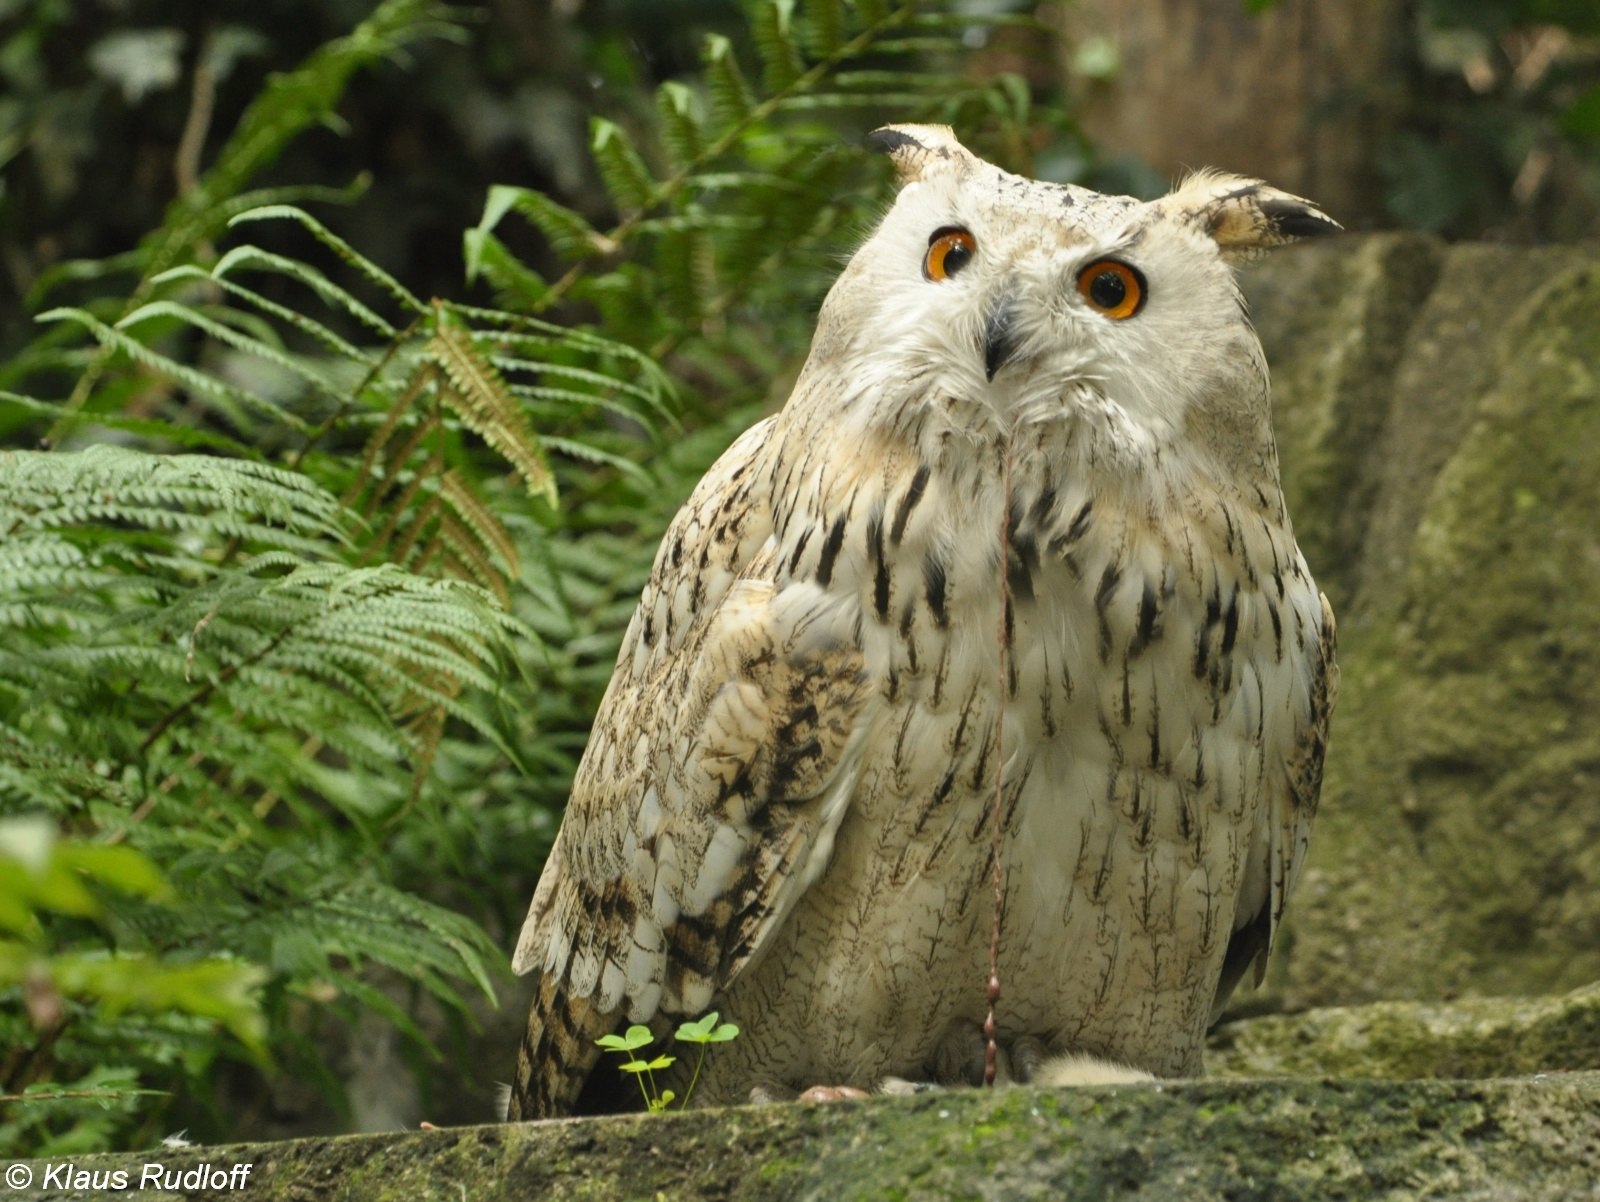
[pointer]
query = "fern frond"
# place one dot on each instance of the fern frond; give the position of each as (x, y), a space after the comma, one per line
(341, 348)
(630, 370)
(478, 518)
(731, 99)
(777, 44)
(347, 254)
(585, 452)
(226, 333)
(570, 235)
(626, 177)
(53, 491)
(235, 402)
(516, 284)
(326, 289)
(483, 401)
(294, 100)
(682, 132)
(824, 27)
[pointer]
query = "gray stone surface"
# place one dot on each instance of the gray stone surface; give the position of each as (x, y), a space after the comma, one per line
(1476, 1037)
(1239, 1141)
(1439, 426)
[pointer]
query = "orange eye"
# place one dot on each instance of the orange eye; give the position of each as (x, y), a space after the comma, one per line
(1112, 288)
(949, 250)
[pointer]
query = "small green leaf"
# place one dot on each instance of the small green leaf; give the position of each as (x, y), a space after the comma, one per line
(636, 1036)
(120, 867)
(650, 1066)
(698, 1031)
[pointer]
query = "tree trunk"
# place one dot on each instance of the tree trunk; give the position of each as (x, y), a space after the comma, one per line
(1299, 94)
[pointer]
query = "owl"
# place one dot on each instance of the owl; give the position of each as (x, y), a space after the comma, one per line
(1008, 583)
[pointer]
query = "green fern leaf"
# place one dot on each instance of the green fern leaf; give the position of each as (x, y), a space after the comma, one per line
(773, 30)
(516, 285)
(482, 400)
(329, 292)
(627, 179)
(346, 253)
(234, 498)
(570, 235)
(486, 528)
(731, 101)
(225, 333)
(825, 27)
(681, 132)
(341, 348)
(235, 403)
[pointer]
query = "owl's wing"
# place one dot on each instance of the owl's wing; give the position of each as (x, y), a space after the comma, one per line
(720, 764)
(1293, 796)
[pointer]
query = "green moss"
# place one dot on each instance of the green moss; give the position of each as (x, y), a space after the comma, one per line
(1482, 1037)
(1204, 1140)
(1197, 1141)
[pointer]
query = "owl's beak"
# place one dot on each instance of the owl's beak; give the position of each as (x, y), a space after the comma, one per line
(999, 336)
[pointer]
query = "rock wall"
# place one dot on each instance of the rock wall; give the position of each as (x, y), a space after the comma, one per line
(1439, 428)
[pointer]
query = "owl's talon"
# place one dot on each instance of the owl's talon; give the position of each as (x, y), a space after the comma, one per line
(833, 1093)
(769, 1092)
(1028, 1052)
(899, 1087)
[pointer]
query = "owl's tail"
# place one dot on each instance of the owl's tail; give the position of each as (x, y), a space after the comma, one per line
(557, 1054)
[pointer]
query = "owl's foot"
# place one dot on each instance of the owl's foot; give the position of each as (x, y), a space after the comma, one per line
(832, 1093)
(1078, 1069)
(961, 1055)
(959, 1059)
(771, 1091)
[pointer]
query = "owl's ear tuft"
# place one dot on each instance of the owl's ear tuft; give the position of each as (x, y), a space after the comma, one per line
(918, 151)
(1244, 216)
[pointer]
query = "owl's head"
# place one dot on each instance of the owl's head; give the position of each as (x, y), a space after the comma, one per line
(1011, 300)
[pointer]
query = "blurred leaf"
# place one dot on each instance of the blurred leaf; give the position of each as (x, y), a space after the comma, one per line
(1581, 120)
(230, 44)
(1096, 58)
(139, 60)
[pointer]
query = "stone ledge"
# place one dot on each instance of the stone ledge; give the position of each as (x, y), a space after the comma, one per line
(1469, 1037)
(1523, 1138)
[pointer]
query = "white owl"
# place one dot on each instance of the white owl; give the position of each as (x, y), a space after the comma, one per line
(1016, 537)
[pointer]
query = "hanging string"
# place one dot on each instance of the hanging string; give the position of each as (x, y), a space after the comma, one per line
(991, 1053)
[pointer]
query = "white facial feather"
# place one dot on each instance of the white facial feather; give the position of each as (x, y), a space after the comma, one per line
(915, 343)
